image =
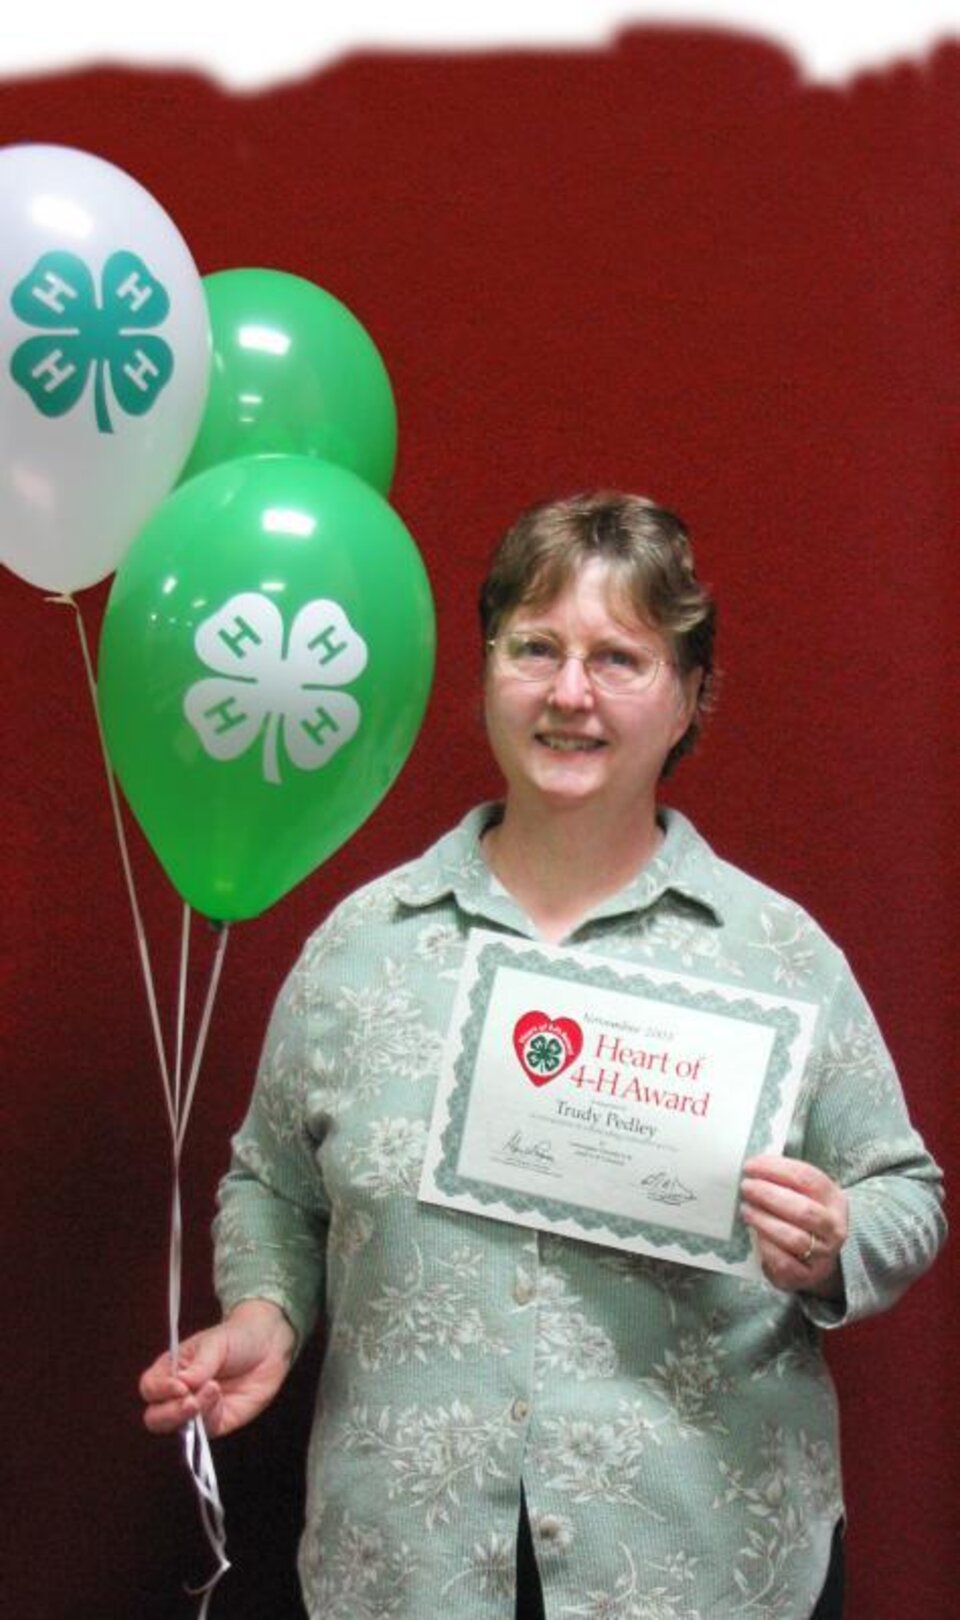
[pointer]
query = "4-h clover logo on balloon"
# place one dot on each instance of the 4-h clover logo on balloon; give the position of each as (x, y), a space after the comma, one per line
(78, 334)
(262, 690)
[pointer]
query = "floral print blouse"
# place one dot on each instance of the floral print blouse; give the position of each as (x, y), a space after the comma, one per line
(675, 1429)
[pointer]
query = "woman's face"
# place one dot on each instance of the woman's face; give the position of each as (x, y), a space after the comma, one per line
(565, 741)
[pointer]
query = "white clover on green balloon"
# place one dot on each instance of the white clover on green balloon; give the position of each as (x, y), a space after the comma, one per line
(265, 661)
(276, 694)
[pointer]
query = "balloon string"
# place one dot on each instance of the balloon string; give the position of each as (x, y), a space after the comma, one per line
(175, 1267)
(196, 1446)
(182, 1108)
(67, 600)
(181, 1009)
(198, 1455)
(199, 1460)
(215, 971)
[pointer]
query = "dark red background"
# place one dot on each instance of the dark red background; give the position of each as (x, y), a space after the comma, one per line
(673, 266)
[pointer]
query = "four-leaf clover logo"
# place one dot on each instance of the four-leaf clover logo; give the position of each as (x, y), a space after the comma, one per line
(264, 690)
(78, 334)
(545, 1054)
(546, 1046)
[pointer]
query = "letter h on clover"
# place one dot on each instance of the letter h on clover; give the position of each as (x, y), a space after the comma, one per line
(261, 689)
(77, 334)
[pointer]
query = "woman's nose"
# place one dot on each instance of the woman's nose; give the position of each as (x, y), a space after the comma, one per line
(571, 688)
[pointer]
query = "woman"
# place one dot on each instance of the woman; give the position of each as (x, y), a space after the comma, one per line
(653, 1439)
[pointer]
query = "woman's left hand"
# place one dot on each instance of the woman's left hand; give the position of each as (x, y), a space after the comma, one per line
(800, 1219)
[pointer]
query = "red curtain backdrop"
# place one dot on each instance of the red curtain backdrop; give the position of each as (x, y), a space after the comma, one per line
(671, 265)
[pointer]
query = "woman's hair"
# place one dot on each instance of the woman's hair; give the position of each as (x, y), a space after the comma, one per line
(648, 553)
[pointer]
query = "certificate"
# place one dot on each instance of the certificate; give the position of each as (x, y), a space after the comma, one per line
(609, 1102)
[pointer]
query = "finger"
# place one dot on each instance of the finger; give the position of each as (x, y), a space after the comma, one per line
(794, 1258)
(165, 1417)
(825, 1220)
(160, 1382)
(212, 1408)
(201, 1358)
(797, 1243)
(782, 1268)
(796, 1174)
(820, 1275)
(793, 1208)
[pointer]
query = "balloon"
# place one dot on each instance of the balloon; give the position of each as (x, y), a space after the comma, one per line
(293, 372)
(265, 661)
(104, 361)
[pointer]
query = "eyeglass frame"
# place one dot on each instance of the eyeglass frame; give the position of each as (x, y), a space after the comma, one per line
(565, 654)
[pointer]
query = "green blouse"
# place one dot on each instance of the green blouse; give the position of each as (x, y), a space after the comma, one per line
(675, 1429)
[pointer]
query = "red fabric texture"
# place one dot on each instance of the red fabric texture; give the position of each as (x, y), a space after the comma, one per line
(671, 266)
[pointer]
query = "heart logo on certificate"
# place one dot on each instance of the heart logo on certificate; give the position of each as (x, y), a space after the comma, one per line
(546, 1046)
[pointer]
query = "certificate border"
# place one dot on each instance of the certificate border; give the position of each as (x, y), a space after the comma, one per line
(494, 954)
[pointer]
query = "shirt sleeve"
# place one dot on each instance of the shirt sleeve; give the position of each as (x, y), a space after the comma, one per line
(858, 1131)
(270, 1230)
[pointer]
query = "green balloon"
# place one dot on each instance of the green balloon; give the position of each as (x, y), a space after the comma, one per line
(265, 663)
(294, 373)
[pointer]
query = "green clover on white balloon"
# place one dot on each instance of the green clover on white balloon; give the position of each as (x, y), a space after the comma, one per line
(283, 693)
(78, 334)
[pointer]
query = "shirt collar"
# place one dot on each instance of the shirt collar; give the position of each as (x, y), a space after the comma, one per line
(684, 864)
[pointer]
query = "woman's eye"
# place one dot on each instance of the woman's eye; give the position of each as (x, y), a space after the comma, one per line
(534, 648)
(619, 658)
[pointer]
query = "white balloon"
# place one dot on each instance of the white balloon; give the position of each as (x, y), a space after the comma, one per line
(104, 362)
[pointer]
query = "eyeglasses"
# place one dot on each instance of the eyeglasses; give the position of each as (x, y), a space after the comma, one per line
(535, 655)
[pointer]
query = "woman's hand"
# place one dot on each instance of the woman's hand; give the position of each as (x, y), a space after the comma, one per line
(800, 1219)
(226, 1375)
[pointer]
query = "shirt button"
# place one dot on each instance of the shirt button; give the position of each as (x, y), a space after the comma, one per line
(523, 1290)
(520, 1410)
(548, 1528)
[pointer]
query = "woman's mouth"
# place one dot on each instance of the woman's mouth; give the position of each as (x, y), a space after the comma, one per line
(564, 743)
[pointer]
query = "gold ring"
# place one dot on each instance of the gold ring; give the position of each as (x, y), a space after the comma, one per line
(810, 1250)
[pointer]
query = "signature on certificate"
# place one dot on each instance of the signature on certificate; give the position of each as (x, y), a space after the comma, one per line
(664, 1189)
(517, 1148)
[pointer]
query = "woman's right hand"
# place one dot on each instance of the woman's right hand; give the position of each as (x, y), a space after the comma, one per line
(225, 1375)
